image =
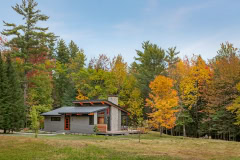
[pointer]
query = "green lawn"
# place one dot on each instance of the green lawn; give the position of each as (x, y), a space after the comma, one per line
(71, 147)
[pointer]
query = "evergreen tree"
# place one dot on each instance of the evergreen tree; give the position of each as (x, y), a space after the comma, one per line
(15, 100)
(73, 49)
(62, 52)
(4, 97)
(172, 57)
(149, 63)
(29, 40)
(65, 91)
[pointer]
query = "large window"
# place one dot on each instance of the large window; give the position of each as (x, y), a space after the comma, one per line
(55, 118)
(91, 120)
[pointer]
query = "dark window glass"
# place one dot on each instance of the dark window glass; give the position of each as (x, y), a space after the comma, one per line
(55, 118)
(91, 120)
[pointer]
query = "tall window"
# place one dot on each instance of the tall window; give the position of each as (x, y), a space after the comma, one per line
(91, 120)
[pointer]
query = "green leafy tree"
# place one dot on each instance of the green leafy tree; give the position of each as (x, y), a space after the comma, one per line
(28, 40)
(235, 107)
(34, 115)
(40, 92)
(135, 107)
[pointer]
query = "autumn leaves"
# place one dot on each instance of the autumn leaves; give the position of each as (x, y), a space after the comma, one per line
(170, 97)
(163, 100)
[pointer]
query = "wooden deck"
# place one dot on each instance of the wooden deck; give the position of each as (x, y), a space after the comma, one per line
(116, 133)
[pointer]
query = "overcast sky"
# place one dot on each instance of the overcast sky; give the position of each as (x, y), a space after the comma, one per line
(119, 27)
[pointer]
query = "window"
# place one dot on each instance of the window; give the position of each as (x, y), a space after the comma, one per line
(55, 118)
(91, 120)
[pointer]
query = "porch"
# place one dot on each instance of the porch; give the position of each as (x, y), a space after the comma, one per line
(116, 133)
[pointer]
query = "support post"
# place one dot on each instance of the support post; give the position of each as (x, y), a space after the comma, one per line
(95, 118)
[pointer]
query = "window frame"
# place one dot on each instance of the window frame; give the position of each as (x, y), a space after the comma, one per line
(55, 119)
(91, 120)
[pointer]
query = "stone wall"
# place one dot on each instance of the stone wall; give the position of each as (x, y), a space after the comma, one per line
(114, 118)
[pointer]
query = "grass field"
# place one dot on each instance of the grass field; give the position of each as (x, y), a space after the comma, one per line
(74, 147)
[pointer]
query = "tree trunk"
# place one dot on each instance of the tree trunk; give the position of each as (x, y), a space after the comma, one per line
(25, 87)
(184, 130)
(4, 130)
(229, 136)
(160, 130)
(139, 138)
(171, 131)
(36, 133)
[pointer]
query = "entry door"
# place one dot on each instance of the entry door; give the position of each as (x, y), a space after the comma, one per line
(100, 120)
(67, 123)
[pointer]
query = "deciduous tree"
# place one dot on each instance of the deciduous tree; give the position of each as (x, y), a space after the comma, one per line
(163, 100)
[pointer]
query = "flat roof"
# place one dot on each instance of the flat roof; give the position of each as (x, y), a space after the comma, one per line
(74, 110)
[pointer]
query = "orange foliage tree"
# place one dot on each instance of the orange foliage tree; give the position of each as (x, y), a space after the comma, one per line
(163, 100)
(193, 90)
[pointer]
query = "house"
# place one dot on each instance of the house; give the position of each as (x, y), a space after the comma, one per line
(107, 115)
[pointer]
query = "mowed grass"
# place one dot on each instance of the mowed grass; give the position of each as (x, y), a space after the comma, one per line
(152, 146)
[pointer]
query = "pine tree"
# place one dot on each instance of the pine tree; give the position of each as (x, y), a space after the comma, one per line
(15, 100)
(28, 40)
(148, 64)
(62, 52)
(4, 107)
(73, 49)
(65, 91)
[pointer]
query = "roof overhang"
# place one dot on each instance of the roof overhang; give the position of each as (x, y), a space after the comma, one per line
(92, 102)
(75, 110)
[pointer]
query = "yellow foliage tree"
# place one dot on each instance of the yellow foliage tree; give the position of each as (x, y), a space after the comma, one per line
(193, 90)
(163, 99)
(235, 107)
(192, 85)
(80, 96)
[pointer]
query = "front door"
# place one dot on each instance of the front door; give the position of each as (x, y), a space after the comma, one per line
(67, 123)
(100, 120)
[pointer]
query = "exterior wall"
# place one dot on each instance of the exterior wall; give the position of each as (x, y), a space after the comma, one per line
(53, 126)
(95, 118)
(119, 119)
(114, 118)
(80, 124)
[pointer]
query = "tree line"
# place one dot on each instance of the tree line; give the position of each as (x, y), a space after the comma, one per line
(188, 96)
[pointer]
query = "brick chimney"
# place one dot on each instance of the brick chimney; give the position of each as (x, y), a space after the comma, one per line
(113, 99)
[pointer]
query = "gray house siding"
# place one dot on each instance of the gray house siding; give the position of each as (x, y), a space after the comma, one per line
(53, 126)
(80, 124)
(119, 119)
